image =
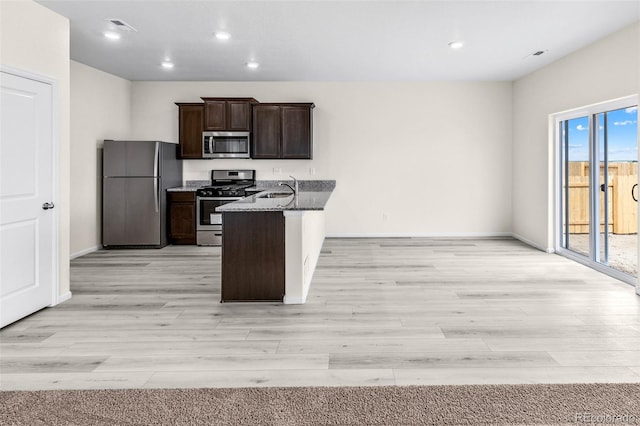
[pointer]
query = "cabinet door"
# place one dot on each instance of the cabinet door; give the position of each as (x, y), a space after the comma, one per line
(182, 217)
(215, 115)
(183, 220)
(266, 131)
(253, 257)
(190, 123)
(239, 115)
(296, 132)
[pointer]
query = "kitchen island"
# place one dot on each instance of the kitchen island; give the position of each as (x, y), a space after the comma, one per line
(271, 245)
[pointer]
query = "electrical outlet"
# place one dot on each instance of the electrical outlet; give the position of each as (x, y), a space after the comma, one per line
(385, 217)
(312, 170)
(277, 170)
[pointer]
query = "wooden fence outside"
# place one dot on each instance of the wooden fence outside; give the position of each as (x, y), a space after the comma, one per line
(621, 208)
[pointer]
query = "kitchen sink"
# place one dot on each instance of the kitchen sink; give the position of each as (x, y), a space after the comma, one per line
(275, 195)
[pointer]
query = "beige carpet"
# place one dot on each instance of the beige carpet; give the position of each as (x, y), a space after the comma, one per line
(388, 405)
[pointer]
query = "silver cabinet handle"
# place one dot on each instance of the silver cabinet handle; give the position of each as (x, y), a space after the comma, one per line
(47, 206)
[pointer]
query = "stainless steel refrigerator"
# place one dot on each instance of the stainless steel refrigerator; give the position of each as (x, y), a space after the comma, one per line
(136, 175)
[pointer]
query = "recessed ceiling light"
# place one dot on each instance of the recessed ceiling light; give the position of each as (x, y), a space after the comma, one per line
(167, 64)
(111, 35)
(222, 35)
(252, 64)
(456, 44)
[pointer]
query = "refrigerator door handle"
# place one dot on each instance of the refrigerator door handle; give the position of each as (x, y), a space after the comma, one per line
(156, 193)
(156, 160)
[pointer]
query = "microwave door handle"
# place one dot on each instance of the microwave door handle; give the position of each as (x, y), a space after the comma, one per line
(210, 144)
(206, 145)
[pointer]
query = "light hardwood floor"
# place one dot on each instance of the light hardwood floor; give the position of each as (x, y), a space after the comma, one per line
(380, 312)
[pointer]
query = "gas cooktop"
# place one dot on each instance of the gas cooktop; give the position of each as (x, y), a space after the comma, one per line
(237, 190)
(228, 183)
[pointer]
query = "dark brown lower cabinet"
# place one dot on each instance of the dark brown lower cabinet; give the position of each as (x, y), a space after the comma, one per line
(253, 262)
(182, 218)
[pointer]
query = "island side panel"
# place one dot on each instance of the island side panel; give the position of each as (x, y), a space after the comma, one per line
(304, 235)
(253, 256)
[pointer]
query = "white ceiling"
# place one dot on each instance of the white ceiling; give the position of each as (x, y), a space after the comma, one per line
(337, 40)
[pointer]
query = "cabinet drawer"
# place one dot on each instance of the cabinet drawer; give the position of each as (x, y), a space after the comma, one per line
(182, 196)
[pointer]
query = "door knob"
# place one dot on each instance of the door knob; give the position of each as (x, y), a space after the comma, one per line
(47, 206)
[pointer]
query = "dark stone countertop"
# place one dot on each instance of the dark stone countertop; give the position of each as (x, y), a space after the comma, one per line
(183, 189)
(305, 200)
(261, 185)
(191, 186)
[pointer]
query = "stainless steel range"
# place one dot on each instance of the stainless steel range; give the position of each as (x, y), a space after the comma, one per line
(226, 186)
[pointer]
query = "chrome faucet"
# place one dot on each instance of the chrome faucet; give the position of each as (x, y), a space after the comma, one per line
(295, 185)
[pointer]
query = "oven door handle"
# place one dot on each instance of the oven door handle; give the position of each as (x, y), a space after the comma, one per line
(199, 200)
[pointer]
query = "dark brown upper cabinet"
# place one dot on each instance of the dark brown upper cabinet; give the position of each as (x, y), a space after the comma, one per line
(266, 131)
(282, 131)
(190, 126)
(228, 114)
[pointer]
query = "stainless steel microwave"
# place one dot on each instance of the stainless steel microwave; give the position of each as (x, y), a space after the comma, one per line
(226, 144)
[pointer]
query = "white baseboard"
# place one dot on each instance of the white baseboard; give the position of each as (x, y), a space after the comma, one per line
(63, 297)
(532, 244)
(83, 252)
(444, 235)
(421, 235)
(293, 300)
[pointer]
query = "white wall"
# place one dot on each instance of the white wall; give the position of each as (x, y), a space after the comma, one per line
(35, 39)
(434, 157)
(100, 109)
(605, 70)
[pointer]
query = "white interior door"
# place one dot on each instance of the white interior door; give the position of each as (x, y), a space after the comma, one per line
(27, 221)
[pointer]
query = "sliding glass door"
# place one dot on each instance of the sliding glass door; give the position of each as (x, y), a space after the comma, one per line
(576, 216)
(598, 151)
(617, 139)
